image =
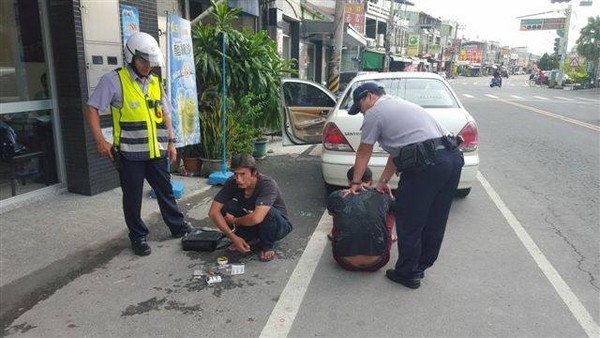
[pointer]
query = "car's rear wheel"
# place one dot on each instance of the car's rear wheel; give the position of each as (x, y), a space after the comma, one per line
(462, 192)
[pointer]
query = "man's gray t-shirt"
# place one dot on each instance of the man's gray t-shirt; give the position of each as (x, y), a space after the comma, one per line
(394, 123)
(265, 193)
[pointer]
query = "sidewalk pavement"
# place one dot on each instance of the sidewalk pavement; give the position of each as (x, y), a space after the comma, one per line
(58, 237)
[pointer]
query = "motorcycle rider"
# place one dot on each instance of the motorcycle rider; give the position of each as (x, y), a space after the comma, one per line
(498, 77)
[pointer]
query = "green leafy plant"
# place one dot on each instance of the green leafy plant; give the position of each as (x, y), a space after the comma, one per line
(254, 70)
(211, 124)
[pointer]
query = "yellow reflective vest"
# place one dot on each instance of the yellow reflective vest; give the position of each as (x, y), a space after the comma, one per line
(138, 126)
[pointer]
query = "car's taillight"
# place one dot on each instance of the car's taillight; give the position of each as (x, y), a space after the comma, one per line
(470, 137)
(333, 139)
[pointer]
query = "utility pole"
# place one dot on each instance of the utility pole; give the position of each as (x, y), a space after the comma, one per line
(333, 80)
(563, 48)
(388, 37)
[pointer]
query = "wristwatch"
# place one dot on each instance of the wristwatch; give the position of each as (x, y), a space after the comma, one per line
(356, 183)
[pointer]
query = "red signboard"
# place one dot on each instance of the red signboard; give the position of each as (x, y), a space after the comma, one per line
(473, 55)
(355, 16)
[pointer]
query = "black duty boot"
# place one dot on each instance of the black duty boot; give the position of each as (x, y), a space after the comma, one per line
(413, 283)
(140, 247)
(186, 228)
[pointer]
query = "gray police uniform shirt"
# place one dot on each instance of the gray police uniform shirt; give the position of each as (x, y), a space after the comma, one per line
(394, 123)
(109, 91)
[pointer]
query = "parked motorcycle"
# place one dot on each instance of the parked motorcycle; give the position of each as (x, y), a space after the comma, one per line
(496, 82)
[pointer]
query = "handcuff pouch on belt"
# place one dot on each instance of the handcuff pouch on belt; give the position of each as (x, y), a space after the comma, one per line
(416, 157)
(420, 155)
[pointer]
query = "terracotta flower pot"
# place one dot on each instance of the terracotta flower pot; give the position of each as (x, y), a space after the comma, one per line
(210, 165)
(192, 165)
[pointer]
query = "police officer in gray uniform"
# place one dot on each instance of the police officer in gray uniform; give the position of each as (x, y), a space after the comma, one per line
(430, 162)
(142, 136)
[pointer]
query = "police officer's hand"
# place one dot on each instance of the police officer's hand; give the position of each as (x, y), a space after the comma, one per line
(240, 244)
(104, 149)
(354, 189)
(385, 188)
(172, 152)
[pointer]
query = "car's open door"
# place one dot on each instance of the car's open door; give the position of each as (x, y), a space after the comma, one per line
(306, 105)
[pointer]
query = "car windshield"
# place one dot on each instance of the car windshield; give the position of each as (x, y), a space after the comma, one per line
(427, 93)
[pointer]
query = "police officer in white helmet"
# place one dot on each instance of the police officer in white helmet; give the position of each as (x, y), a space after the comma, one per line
(143, 136)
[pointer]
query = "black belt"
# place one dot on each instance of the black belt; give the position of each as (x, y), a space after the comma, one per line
(436, 143)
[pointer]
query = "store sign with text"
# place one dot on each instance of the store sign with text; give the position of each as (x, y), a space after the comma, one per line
(355, 15)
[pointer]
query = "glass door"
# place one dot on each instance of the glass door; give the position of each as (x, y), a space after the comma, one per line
(27, 147)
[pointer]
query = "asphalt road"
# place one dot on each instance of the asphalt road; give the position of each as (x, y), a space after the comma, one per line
(520, 256)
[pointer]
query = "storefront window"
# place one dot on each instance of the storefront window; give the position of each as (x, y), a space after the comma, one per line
(27, 156)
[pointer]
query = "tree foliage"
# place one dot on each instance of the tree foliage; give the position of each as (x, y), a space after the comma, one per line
(588, 43)
(547, 62)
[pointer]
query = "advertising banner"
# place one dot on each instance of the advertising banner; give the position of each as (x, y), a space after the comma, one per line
(182, 82)
(472, 55)
(130, 20)
(413, 45)
(355, 15)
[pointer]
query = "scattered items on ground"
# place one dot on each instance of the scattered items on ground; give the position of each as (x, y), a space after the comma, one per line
(215, 274)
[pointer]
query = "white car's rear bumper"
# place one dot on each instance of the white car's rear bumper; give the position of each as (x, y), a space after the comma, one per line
(334, 166)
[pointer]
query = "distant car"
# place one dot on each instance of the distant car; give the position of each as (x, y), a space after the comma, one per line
(340, 132)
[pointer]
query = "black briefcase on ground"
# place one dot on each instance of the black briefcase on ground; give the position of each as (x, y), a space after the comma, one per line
(202, 240)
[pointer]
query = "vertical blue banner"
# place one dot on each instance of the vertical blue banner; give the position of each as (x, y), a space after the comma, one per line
(182, 82)
(130, 20)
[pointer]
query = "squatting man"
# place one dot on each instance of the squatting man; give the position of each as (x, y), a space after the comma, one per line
(250, 210)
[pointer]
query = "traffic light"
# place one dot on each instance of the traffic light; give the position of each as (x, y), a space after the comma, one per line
(556, 46)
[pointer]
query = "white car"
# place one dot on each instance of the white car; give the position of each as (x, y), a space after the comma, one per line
(312, 116)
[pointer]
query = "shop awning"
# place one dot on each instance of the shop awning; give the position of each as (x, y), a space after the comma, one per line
(398, 58)
(248, 7)
(372, 60)
(322, 31)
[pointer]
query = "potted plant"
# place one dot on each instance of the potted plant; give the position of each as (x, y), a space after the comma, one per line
(211, 125)
(254, 108)
(254, 70)
(191, 158)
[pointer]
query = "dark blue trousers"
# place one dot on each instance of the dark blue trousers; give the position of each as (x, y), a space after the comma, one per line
(273, 228)
(423, 201)
(132, 175)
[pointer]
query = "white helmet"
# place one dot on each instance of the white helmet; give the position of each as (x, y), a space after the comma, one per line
(145, 46)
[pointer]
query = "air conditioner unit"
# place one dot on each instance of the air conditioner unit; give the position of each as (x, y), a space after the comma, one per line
(380, 40)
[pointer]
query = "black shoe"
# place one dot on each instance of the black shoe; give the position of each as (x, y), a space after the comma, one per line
(186, 228)
(141, 247)
(420, 274)
(413, 283)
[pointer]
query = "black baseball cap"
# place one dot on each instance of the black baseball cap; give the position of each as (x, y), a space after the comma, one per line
(359, 93)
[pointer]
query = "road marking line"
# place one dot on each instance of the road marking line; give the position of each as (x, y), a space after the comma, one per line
(541, 97)
(563, 98)
(562, 288)
(556, 116)
(586, 99)
(283, 315)
(469, 96)
(492, 96)
(516, 97)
